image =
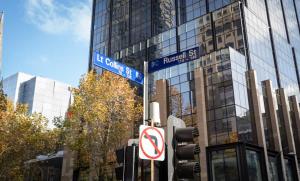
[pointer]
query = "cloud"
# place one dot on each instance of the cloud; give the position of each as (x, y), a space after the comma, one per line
(44, 59)
(55, 17)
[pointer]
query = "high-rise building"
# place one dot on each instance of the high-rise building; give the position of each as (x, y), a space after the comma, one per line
(42, 95)
(1, 35)
(242, 87)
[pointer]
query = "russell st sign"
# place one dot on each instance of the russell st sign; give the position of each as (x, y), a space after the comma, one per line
(175, 59)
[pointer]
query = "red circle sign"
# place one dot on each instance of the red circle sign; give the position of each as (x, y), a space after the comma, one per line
(155, 147)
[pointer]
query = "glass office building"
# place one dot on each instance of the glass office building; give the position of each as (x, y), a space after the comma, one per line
(42, 95)
(242, 92)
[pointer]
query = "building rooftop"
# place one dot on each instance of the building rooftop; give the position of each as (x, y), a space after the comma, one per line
(33, 76)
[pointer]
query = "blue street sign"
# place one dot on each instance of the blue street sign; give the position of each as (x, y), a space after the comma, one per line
(175, 59)
(118, 68)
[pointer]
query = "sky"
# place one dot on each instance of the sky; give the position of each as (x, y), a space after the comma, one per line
(48, 38)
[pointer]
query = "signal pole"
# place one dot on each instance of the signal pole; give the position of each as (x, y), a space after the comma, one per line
(145, 94)
(155, 118)
(152, 161)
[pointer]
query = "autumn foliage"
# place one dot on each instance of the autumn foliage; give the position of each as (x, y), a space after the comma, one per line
(22, 137)
(100, 120)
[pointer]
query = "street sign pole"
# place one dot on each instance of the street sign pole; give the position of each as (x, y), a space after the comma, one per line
(155, 136)
(152, 161)
(124, 163)
(133, 169)
(145, 93)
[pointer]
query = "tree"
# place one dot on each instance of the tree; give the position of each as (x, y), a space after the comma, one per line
(22, 137)
(100, 120)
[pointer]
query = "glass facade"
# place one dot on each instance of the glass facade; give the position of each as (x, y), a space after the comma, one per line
(233, 37)
(285, 34)
(119, 24)
(226, 95)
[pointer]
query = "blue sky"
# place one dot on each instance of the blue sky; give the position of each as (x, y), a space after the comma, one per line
(48, 38)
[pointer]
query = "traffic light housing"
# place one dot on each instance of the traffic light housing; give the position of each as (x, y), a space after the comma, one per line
(186, 153)
(183, 153)
(127, 158)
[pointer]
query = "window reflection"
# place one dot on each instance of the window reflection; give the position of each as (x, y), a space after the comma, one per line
(289, 170)
(254, 165)
(224, 165)
(273, 168)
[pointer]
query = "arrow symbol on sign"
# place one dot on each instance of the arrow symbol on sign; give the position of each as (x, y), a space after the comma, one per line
(151, 138)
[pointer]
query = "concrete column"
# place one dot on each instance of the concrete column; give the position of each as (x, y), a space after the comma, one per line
(274, 124)
(272, 110)
(257, 117)
(288, 127)
(201, 120)
(297, 116)
(297, 120)
(68, 165)
(162, 97)
(259, 127)
(287, 121)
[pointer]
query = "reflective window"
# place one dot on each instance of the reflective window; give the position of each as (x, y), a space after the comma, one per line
(273, 166)
(216, 4)
(101, 26)
(277, 19)
(190, 9)
(289, 170)
(140, 20)
(163, 15)
(224, 165)
(260, 48)
(259, 8)
(293, 29)
(120, 25)
(254, 165)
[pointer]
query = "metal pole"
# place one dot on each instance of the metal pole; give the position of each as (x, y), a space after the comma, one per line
(124, 163)
(133, 175)
(145, 93)
(152, 161)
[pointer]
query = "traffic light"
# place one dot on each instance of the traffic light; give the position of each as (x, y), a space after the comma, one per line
(183, 153)
(186, 153)
(127, 158)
